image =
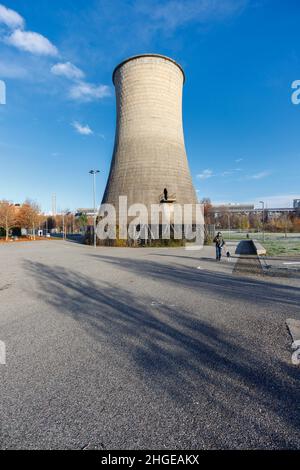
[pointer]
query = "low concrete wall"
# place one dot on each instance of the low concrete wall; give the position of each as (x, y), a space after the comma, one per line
(260, 250)
(245, 247)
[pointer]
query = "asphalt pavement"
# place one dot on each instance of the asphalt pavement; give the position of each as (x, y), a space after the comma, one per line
(116, 348)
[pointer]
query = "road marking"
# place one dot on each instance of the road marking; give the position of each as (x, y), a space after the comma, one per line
(2, 353)
(154, 303)
(296, 357)
(296, 344)
(294, 329)
(292, 262)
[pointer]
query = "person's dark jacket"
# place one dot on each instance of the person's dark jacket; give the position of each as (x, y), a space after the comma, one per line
(218, 240)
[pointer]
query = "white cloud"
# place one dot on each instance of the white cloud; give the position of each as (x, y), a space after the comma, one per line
(80, 90)
(173, 13)
(205, 174)
(10, 18)
(67, 69)
(38, 44)
(82, 129)
(84, 91)
(229, 172)
(209, 173)
(31, 42)
(238, 160)
(259, 176)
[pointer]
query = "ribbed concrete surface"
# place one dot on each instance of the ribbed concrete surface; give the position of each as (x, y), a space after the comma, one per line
(149, 153)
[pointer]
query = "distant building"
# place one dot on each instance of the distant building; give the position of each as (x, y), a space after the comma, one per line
(296, 204)
(246, 209)
(232, 208)
(84, 211)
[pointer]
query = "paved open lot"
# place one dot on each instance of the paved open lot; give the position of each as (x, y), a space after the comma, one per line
(113, 348)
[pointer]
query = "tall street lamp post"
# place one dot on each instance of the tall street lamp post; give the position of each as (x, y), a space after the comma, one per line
(63, 222)
(94, 172)
(263, 218)
(229, 228)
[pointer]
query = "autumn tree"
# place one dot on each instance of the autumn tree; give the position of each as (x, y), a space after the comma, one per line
(208, 212)
(29, 216)
(69, 221)
(58, 222)
(296, 224)
(255, 221)
(224, 218)
(244, 222)
(7, 216)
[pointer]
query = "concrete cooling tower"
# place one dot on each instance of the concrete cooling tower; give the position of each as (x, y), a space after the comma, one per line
(149, 162)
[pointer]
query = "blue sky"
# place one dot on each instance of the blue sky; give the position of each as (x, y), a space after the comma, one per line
(240, 58)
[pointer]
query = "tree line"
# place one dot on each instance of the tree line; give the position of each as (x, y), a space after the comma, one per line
(29, 216)
(26, 216)
(285, 222)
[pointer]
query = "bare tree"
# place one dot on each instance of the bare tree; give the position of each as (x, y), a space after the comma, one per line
(7, 216)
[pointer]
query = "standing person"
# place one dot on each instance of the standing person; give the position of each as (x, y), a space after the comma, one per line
(218, 240)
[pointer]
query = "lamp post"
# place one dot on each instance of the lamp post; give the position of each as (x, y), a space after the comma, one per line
(94, 172)
(63, 221)
(263, 218)
(286, 224)
(228, 215)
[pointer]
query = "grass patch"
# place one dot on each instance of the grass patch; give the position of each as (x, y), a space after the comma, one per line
(282, 247)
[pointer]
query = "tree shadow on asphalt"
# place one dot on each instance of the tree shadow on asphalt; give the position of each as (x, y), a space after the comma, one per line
(221, 285)
(178, 354)
(197, 258)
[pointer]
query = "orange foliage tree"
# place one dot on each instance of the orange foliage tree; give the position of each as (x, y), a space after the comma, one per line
(7, 216)
(29, 216)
